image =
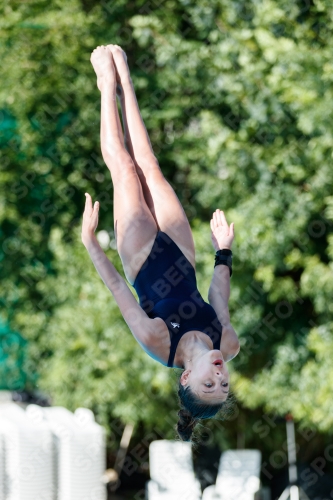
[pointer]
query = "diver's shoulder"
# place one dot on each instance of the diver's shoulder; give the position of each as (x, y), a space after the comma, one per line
(157, 344)
(229, 342)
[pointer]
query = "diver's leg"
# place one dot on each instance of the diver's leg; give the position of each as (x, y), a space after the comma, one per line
(135, 227)
(159, 195)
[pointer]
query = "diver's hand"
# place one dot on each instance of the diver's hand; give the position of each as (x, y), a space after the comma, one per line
(222, 234)
(90, 220)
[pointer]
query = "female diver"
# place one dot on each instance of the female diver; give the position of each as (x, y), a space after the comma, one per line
(172, 323)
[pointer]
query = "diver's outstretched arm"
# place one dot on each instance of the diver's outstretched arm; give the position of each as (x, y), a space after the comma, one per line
(219, 290)
(218, 297)
(137, 320)
(219, 293)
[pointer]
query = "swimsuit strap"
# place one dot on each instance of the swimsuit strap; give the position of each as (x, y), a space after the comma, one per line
(173, 349)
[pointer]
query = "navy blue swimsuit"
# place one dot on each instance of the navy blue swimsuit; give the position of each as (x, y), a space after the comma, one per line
(167, 288)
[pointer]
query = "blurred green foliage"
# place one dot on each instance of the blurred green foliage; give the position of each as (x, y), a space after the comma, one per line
(13, 371)
(236, 96)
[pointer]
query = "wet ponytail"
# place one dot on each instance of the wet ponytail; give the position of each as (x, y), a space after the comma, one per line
(192, 409)
(185, 425)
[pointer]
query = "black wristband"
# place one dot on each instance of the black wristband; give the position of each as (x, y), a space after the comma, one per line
(224, 257)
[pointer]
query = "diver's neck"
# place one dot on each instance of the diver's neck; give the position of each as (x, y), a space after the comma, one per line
(194, 346)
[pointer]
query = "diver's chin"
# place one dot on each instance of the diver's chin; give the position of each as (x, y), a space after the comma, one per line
(215, 354)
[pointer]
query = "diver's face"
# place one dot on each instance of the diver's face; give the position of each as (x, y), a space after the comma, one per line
(208, 377)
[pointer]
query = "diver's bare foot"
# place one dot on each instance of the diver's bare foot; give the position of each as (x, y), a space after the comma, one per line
(120, 61)
(102, 62)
